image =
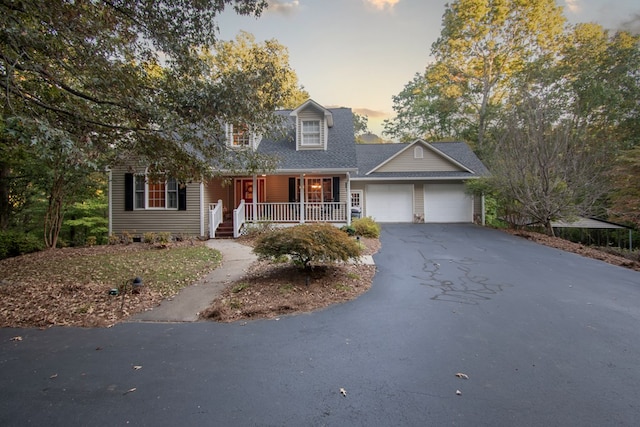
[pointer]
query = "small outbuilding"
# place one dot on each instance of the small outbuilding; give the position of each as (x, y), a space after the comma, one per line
(601, 226)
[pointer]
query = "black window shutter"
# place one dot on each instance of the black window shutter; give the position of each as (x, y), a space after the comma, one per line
(336, 188)
(292, 190)
(128, 191)
(182, 197)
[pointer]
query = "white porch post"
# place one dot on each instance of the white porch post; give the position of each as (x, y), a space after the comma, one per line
(348, 196)
(254, 203)
(202, 211)
(302, 184)
(483, 212)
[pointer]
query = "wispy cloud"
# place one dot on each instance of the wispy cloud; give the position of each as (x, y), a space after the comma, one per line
(382, 4)
(372, 114)
(283, 7)
(573, 5)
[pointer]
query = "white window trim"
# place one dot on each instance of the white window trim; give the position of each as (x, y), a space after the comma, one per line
(146, 195)
(307, 186)
(360, 194)
(252, 138)
(304, 135)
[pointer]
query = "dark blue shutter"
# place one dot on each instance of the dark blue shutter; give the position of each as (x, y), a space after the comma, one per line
(182, 197)
(292, 190)
(128, 191)
(336, 188)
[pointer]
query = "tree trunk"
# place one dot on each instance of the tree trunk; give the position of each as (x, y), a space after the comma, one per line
(54, 214)
(549, 229)
(5, 206)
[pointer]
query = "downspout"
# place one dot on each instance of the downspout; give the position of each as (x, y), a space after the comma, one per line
(348, 197)
(483, 212)
(110, 206)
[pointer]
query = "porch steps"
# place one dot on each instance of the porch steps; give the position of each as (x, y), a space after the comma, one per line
(225, 230)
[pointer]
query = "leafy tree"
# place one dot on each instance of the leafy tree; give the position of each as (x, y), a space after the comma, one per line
(127, 79)
(483, 43)
(547, 168)
(360, 126)
(626, 196)
(424, 109)
(234, 62)
(601, 70)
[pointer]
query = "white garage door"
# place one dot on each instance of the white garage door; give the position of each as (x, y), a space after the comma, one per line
(389, 202)
(447, 203)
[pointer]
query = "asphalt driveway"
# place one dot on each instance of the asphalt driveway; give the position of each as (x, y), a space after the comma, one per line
(545, 337)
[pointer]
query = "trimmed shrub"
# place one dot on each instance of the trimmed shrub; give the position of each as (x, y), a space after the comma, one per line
(349, 230)
(366, 227)
(149, 237)
(305, 244)
(13, 243)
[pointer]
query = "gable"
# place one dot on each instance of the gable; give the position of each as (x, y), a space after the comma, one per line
(419, 157)
(312, 123)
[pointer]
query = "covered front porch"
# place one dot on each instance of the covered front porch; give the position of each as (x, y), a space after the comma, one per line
(280, 199)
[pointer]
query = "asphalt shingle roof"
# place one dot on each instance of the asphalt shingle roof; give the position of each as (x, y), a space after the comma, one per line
(340, 153)
(371, 155)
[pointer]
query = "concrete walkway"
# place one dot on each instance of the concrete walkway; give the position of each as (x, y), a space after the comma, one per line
(190, 301)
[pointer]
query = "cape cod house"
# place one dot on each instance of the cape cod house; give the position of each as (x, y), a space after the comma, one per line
(322, 176)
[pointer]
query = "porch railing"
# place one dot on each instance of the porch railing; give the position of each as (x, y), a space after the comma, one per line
(239, 219)
(215, 217)
(290, 212)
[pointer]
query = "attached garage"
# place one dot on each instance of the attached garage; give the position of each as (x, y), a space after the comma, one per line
(447, 203)
(389, 202)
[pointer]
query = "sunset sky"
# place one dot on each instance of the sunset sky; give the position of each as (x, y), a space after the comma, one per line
(360, 53)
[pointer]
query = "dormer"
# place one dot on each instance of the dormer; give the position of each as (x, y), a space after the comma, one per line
(312, 126)
(241, 136)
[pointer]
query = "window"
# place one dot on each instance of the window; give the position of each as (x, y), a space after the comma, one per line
(356, 198)
(155, 194)
(240, 135)
(418, 153)
(310, 132)
(316, 190)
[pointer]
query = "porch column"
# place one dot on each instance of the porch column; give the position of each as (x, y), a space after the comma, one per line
(348, 197)
(254, 203)
(302, 184)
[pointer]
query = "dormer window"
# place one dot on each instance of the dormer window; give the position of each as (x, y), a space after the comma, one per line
(312, 124)
(239, 135)
(311, 132)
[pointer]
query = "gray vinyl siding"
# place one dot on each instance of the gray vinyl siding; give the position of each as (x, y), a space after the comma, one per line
(418, 202)
(431, 162)
(138, 222)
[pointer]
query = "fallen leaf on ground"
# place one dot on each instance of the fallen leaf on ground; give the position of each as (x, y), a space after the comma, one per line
(463, 376)
(18, 338)
(343, 392)
(137, 367)
(458, 392)
(131, 390)
(53, 376)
